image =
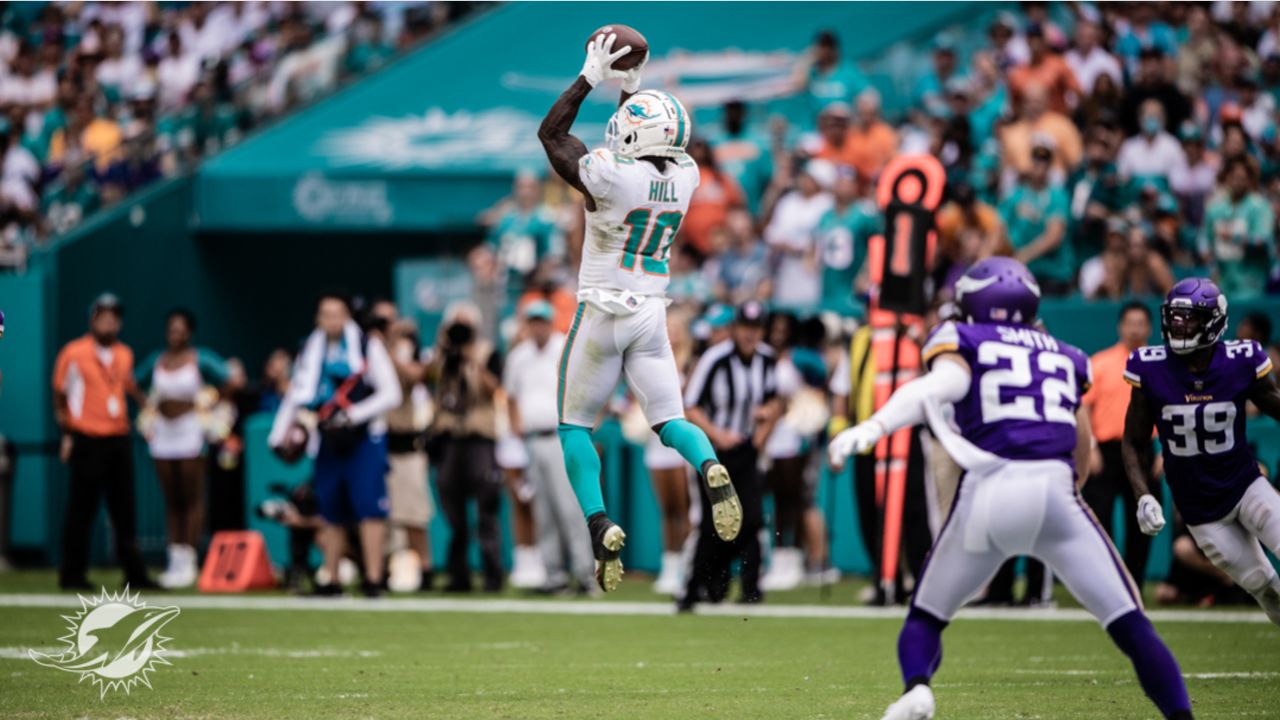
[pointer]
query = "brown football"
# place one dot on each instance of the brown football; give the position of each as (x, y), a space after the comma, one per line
(626, 36)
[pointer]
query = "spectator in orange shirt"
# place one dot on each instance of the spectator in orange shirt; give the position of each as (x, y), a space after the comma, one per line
(833, 133)
(717, 194)
(966, 212)
(92, 379)
(1047, 69)
(99, 138)
(548, 284)
(871, 142)
(1108, 401)
(1036, 123)
(968, 231)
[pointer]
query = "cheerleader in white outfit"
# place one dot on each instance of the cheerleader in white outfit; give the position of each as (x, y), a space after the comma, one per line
(175, 423)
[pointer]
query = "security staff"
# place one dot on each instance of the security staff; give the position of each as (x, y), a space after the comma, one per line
(92, 378)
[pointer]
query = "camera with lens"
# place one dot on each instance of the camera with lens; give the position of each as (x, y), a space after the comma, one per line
(456, 339)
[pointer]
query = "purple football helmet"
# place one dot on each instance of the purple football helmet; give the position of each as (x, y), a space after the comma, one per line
(998, 290)
(1193, 315)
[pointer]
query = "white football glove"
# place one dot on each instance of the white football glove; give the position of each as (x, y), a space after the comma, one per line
(631, 78)
(860, 439)
(1150, 515)
(600, 59)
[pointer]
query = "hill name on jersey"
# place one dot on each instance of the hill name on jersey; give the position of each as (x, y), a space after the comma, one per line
(639, 209)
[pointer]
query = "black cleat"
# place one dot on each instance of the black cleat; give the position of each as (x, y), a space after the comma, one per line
(607, 540)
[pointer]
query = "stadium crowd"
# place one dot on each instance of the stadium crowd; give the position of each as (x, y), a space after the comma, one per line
(1113, 150)
(99, 99)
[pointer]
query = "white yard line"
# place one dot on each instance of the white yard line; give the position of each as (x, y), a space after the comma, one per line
(574, 607)
(21, 653)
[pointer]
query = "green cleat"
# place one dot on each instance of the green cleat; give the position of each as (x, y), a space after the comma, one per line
(726, 509)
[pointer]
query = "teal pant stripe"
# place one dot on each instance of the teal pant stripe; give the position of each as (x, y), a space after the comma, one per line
(564, 360)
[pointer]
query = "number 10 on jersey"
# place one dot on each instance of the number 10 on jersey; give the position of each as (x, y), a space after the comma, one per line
(650, 239)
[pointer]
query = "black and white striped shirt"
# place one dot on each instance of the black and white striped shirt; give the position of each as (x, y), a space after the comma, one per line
(729, 389)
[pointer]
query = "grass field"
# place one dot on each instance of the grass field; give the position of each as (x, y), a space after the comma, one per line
(542, 659)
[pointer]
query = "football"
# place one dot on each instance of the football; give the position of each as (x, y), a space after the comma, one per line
(626, 36)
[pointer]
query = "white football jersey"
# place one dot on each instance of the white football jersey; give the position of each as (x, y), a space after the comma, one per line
(638, 213)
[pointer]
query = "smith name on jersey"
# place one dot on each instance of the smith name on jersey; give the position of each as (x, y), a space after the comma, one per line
(638, 212)
(1200, 418)
(1025, 389)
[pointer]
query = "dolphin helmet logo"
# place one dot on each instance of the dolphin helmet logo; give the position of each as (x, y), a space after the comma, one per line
(640, 110)
(114, 641)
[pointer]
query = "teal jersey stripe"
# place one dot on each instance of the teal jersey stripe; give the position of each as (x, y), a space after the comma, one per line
(564, 359)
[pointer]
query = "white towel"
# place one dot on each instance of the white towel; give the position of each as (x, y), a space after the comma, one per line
(306, 375)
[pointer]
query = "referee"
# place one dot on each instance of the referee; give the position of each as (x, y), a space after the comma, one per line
(732, 397)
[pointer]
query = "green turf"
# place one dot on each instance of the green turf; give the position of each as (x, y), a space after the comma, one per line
(302, 664)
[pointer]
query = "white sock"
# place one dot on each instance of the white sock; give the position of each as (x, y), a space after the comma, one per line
(174, 553)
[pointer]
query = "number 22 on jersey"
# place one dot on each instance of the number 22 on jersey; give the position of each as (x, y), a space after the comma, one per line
(650, 239)
(1058, 388)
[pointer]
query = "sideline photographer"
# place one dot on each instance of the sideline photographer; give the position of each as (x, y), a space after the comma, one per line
(463, 375)
(411, 507)
(345, 383)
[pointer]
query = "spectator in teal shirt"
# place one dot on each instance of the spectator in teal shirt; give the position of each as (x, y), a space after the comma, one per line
(1238, 233)
(826, 78)
(988, 97)
(743, 153)
(524, 232)
(929, 94)
(369, 48)
(842, 236)
(1036, 215)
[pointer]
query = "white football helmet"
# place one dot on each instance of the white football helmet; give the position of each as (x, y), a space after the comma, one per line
(651, 122)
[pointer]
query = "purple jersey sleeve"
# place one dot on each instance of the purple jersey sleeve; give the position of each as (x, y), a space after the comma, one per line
(1140, 360)
(944, 338)
(1262, 366)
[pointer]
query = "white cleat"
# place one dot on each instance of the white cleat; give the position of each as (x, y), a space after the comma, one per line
(915, 704)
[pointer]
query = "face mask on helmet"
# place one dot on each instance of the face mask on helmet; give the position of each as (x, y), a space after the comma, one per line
(611, 139)
(1187, 328)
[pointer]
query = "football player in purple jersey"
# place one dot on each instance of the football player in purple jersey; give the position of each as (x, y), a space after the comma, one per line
(1003, 398)
(1192, 389)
